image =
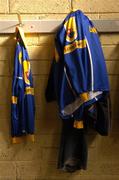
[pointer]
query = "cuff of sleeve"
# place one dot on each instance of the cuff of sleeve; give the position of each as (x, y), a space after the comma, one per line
(17, 140)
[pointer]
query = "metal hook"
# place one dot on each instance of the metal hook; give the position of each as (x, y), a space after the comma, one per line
(19, 19)
(71, 5)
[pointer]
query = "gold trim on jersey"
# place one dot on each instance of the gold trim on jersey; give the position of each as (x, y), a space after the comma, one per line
(26, 71)
(20, 57)
(75, 45)
(70, 27)
(29, 137)
(29, 90)
(78, 124)
(92, 30)
(14, 100)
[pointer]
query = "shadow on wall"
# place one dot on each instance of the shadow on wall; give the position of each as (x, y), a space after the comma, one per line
(6, 46)
(113, 70)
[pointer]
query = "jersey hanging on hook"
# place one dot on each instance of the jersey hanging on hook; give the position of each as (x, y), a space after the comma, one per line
(80, 75)
(78, 80)
(23, 106)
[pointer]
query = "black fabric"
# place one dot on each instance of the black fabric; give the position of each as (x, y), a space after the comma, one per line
(73, 148)
(73, 151)
(99, 117)
(50, 91)
(103, 121)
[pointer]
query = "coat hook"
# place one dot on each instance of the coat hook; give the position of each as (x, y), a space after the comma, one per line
(19, 19)
(71, 5)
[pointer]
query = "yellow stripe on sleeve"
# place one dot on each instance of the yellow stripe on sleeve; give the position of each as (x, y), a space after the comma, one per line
(84, 96)
(14, 100)
(28, 137)
(29, 90)
(78, 124)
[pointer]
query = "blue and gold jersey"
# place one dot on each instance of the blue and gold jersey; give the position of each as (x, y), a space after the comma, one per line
(23, 106)
(78, 74)
(78, 80)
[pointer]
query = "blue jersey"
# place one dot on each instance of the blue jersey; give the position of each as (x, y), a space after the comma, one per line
(78, 80)
(22, 107)
(78, 75)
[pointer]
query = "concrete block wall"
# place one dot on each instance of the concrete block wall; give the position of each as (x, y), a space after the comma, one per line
(38, 161)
